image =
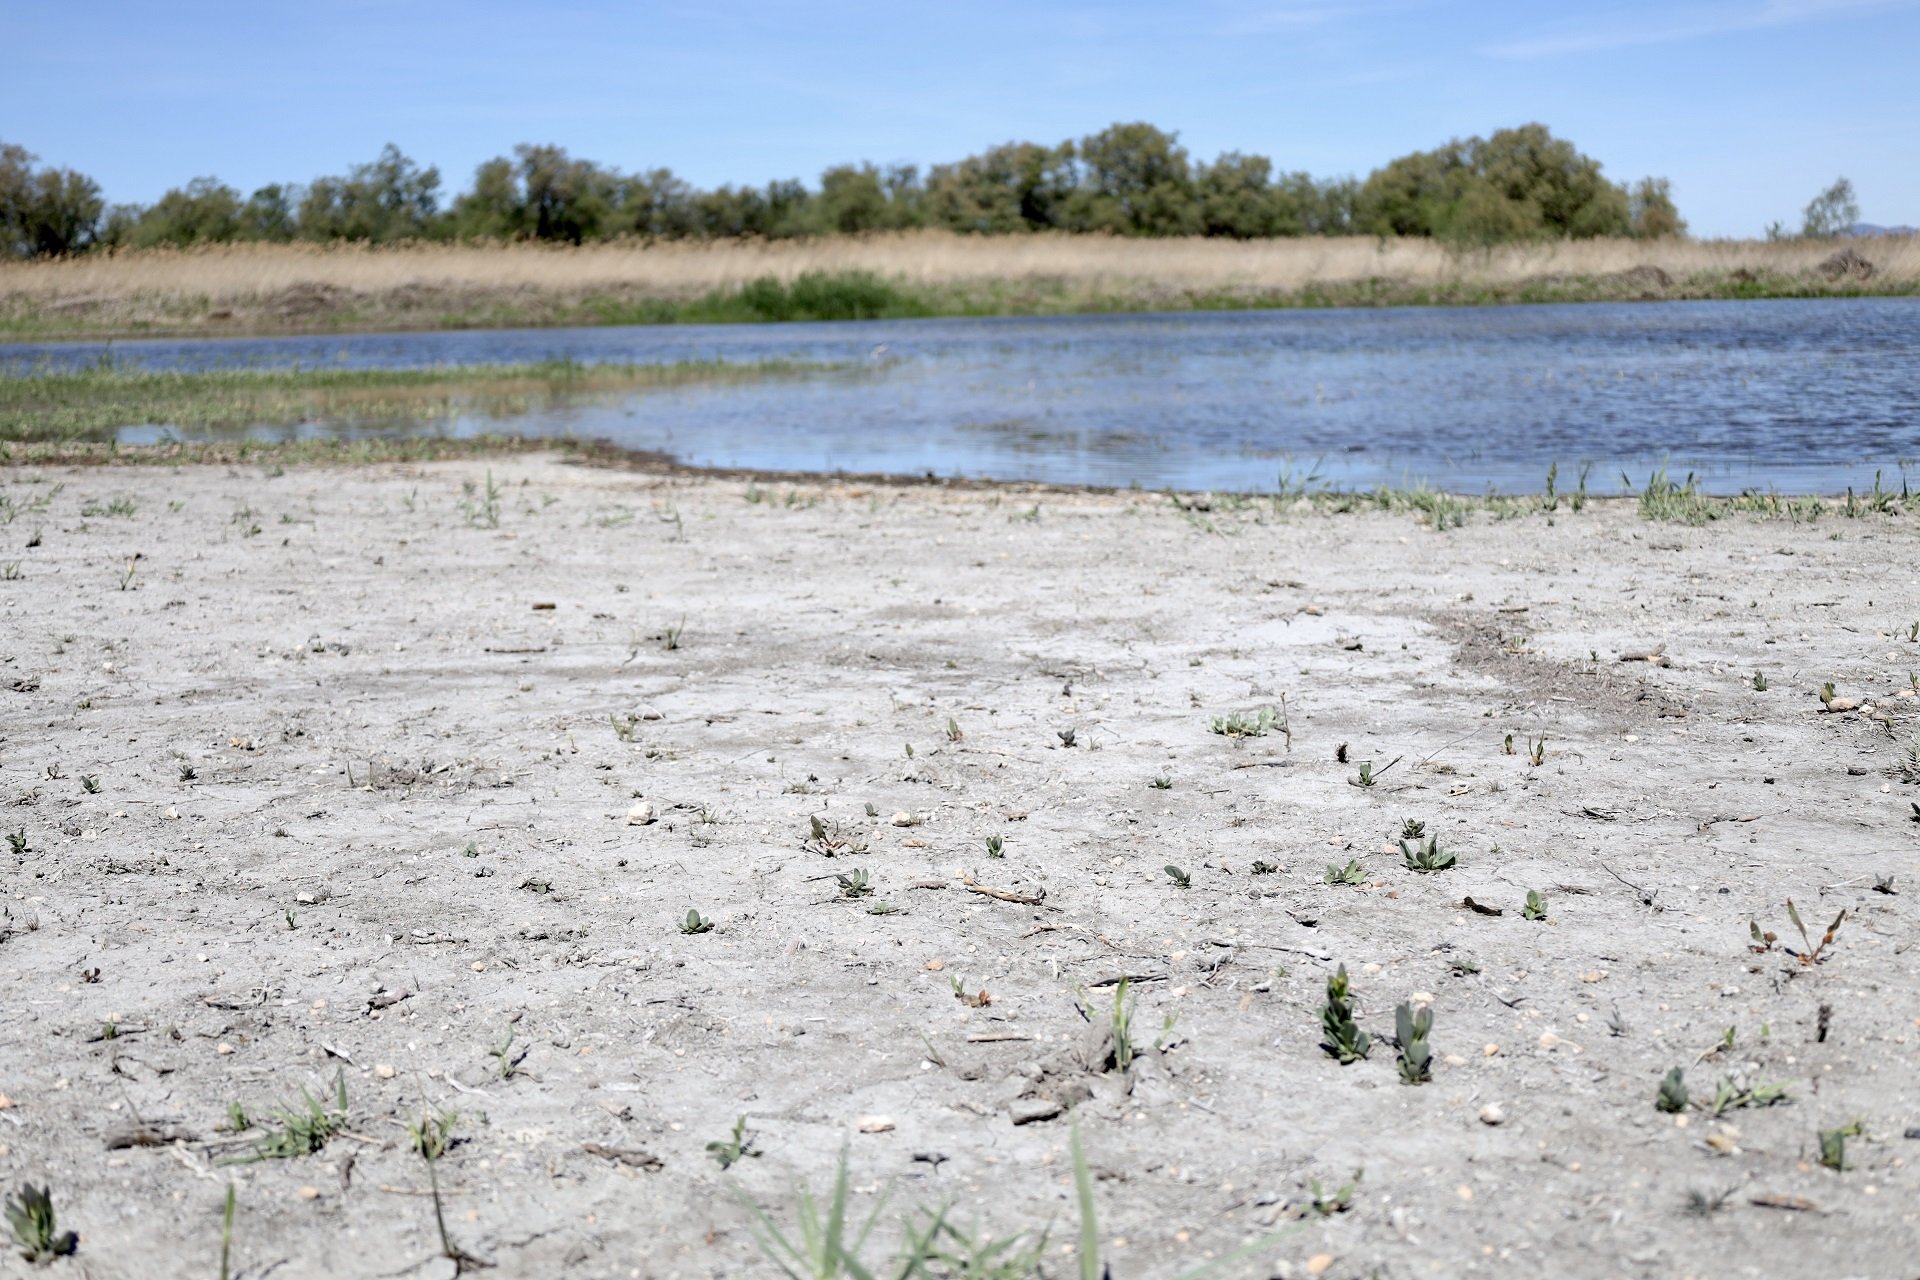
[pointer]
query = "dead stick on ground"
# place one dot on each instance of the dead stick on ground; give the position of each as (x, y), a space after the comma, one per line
(1003, 895)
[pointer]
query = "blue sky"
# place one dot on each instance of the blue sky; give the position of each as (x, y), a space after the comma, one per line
(1749, 106)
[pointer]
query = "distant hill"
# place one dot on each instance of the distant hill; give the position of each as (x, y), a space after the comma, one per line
(1862, 229)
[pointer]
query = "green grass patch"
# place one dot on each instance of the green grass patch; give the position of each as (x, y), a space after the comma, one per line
(92, 403)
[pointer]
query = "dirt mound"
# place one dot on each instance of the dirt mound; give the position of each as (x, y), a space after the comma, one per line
(1645, 277)
(1846, 264)
(308, 298)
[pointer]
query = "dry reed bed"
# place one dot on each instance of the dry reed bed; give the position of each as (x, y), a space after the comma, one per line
(238, 272)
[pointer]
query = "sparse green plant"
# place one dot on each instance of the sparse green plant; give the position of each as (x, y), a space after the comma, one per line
(1537, 751)
(294, 1131)
(830, 840)
(1352, 873)
(1345, 1041)
(1760, 682)
(1120, 1020)
(1181, 880)
(996, 847)
(1067, 736)
(90, 783)
(1246, 724)
(188, 773)
(1415, 1058)
(1412, 829)
(17, 842)
(1427, 856)
(1326, 1204)
(624, 727)
(670, 638)
(954, 733)
(695, 923)
(1811, 953)
(226, 1234)
(1734, 1094)
(854, 883)
(506, 1060)
(1672, 1096)
(1261, 867)
(35, 1228)
(431, 1137)
(1704, 1204)
(1369, 776)
(1161, 783)
(733, 1148)
(1535, 908)
(1833, 1145)
(827, 1244)
(10, 571)
(1506, 745)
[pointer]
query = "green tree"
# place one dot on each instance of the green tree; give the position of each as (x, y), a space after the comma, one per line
(45, 212)
(205, 211)
(1831, 212)
(1237, 198)
(1135, 180)
(1652, 213)
(390, 198)
(1518, 184)
(1017, 186)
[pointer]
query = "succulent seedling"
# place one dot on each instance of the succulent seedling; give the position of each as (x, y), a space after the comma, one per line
(1412, 829)
(1759, 682)
(1345, 1041)
(854, 883)
(1426, 857)
(1181, 879)
(1672, 1096)
(695, 923)
(1536, 906)
(1352, 873)
(36, 1232)
(1833, 1145)
(1415, 1058)
(996, 848)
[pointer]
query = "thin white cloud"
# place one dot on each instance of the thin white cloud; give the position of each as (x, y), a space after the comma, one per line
(1698, 25)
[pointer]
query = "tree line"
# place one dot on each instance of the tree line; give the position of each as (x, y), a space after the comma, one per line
(1128, 179)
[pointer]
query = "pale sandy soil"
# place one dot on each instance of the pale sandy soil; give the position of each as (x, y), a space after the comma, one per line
(405, 840)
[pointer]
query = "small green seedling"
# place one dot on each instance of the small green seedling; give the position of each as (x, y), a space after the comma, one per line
(1734, 1095)
(1121, 1022)
(36, 1232)
(1426, 857)
(996, 848)
(188, 773)
(507, 1060)
(1370, 776)
(1412, 829)
(1161, 783)
(1506, 745)
(1325, 1204)
(1672, 1097)
(1536, 906)
(90, 783)
(1261, 867)
(1759, 682)
(17, 842)
(1352, 873)
(1537, 752)
(226, 1234)
(1415, 1058)
(1812, 954)
(1181, 879)
(1246, 724)
(1345, 1041)
(854, 883)
(1833, 1145)
(729, 1151)
(953, 730)
(300, 1131)
(695, 923)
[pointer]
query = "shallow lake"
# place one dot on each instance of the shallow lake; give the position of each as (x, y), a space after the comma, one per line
(1802, 395)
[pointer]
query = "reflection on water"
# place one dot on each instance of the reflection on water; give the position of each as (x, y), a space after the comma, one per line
(1803, 395)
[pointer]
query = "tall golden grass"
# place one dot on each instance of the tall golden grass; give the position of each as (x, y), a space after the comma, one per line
(678, 269)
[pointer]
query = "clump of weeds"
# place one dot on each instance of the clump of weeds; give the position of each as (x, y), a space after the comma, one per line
(1239, 725)
(431, 1137)
(1345, 1041)
(294, 1131)
(1810, 953)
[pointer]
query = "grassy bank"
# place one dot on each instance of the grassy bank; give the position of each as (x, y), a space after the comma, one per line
(243, 289)
(91, 403)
